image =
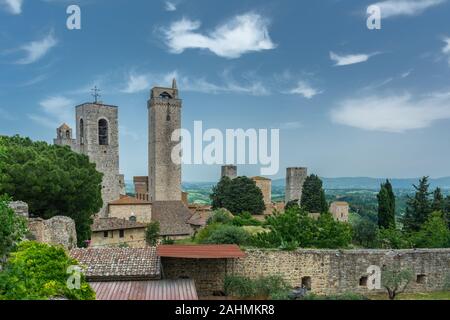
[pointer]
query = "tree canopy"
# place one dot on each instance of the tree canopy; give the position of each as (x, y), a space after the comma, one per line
(418, 207)
(53, 180)
(238, 195)
(386, 206)
(313, 196)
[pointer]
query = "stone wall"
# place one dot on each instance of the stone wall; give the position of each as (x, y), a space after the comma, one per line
(142, 212)
(57, 231)
(328, 271)
(133, 238)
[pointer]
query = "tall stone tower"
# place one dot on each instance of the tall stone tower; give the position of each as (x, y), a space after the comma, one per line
(295, 178)
(164, 112)
(98, 138)
(229, 171)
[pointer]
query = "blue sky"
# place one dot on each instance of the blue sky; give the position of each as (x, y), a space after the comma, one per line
(349, 101)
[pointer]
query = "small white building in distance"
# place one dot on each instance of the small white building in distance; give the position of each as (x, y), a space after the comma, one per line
(340, 210)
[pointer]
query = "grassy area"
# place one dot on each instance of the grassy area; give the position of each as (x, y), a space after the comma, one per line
(444, 295)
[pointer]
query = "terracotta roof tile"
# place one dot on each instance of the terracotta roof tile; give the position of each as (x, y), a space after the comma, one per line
(118, 264)
(127, 200)
(221, 251)
(107, 224)
(173, 218)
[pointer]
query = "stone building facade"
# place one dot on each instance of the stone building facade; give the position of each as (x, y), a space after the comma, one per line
(58, 230)
(322, 271)
(115, 232)
(295, 178)
(127, 207)
(164, 113)
(340, 211)
(141, 188)
(265, 185)
(98, 138)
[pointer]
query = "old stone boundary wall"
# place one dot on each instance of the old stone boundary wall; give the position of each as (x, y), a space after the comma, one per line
(325, 271)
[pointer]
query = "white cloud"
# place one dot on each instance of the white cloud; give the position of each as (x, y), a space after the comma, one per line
(55, 110)
(392, 8)
(35, 50)
(345, 60)
(446, 48)
(305, 89)
(137, 83)
(170, 6)
(240, 35)
(12, 6)
(397, 113)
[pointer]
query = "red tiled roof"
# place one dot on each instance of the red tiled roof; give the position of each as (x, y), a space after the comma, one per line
(200, 251)
(182, 289)
(127, 200)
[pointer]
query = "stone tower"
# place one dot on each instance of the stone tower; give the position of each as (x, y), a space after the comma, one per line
(64, 137)
(295, 178)
(164, 112)
(98, 138)
(229, 171)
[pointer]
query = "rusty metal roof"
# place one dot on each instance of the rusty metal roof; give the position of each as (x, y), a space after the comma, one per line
(200, 251)
(183, 289)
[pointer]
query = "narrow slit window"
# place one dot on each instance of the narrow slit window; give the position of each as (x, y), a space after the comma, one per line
(103, 132)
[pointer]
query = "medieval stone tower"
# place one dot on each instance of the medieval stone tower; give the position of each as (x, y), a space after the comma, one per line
(229, 171)
(98, 138)
(164, 112)
(295, 178)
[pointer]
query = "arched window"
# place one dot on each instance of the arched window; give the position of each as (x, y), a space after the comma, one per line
(165, 95)
(103, 132)
(81, 131)
(68, 134)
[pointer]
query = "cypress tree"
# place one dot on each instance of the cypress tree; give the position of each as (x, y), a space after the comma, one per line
(438, 201)
(386, 206)
(313, 196)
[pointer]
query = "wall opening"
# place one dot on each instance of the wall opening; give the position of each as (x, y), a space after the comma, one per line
(306, 283)
(103, 132)
(363, 281)
(421, 279)
(81, 131)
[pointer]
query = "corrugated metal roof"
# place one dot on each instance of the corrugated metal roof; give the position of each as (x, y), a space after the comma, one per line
(183, 289)
(200, 251)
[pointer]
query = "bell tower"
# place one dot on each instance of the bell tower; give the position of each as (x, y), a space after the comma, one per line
(164, 112)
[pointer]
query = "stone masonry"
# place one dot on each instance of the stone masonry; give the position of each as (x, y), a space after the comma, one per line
(58, 230)
(295, 178)
(229, 171)
(325, 271)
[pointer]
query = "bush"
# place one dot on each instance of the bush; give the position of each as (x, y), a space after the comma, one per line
(272, 287)
(434, 233)
(344, 296)
(393, 239)
(226, 234)
(220, 216)
(37, 271)
(245, 219)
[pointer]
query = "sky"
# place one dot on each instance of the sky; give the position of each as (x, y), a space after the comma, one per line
(348, 101)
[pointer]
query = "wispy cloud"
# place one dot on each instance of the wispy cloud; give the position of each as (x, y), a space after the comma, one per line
(35, 50)
(304, 89)
(170, 6)
(54, 111)
(395, 113)
(288, 125)
(240, 35)
(392, 8)
(446, 48)
(137, 83)
(345, 60)
(12, 6)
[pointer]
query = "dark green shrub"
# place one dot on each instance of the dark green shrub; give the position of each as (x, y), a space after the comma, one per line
(152, 233)
(220, 216)
(245, 219)
(238, 286)
(227, 234)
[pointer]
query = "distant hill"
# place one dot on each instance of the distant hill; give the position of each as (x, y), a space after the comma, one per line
(373, 183)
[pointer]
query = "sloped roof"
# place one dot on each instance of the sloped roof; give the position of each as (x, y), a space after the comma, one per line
(173, 217)
(64, 126)
(182, 289)
(107, 224)
(118, 264)
(222, 251)
(261, 178)
(127, 200)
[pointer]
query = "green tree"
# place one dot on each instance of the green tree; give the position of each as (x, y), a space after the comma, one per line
(418, 207)
(152, 233)
(392, 238)
(313, 196)
(227, 234)
(447, 210)
(434, 233)
(38, 271)
(438, 201)
(395, 281)
(53, 180)
(292, 204)
(332, 234)
(220, 216)
(365, 233)
(386, 206)
(238, 195)
(12, 229)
